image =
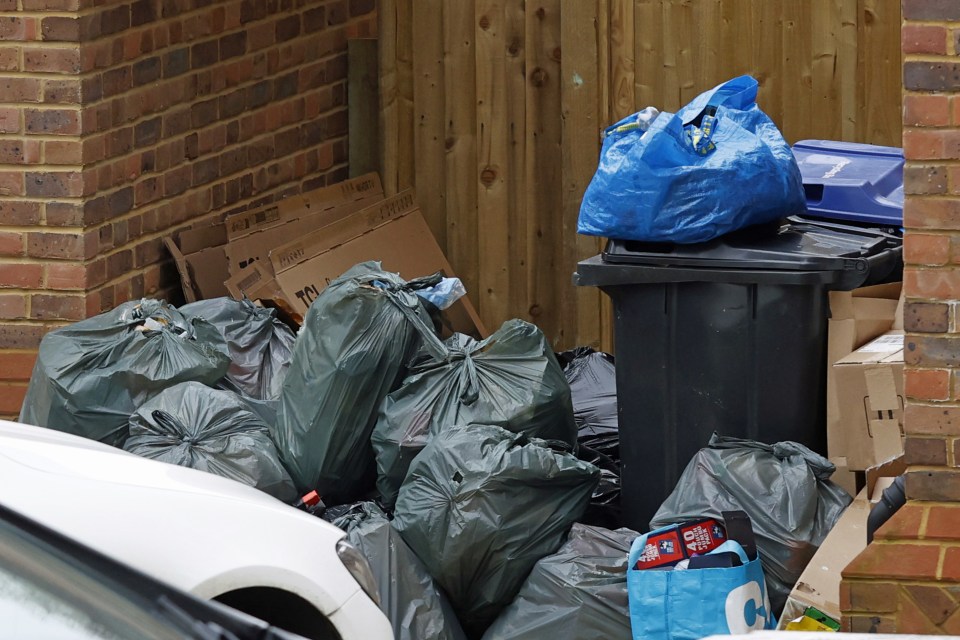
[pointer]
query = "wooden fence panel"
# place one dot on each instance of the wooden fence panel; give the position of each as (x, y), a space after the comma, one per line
(493, 110)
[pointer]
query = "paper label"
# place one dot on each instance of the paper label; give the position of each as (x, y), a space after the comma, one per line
(884, 344)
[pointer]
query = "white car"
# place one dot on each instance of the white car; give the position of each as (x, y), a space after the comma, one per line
(210, 536)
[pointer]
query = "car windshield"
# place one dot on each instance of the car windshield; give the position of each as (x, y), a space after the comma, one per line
(44, 597)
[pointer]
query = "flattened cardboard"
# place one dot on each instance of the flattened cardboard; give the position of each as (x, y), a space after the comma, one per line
(856, 317)
(819, 584)
(201, 261)
(315, 212)
(869, 384)
(392, 232)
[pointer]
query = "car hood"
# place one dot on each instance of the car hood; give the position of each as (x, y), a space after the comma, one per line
(195, 530)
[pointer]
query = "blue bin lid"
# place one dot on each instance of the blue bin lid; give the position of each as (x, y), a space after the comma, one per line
(853, 182)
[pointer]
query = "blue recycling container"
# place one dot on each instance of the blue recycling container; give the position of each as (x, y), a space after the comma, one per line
(851, 182)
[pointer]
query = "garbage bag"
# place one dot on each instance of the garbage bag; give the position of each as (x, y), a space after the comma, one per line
(480, 505)
(578, 593)
(260, 346)
(785, 490)
(357, 337)
(193, 425)
(593, 389)
(717, 165)
(511, 379)
(604, 509)
(409, 597)
(92, 375)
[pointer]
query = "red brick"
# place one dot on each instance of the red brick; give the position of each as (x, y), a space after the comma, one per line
(66, 276)
(931, 213)
(52, 121)
(11, 397)
(915, 38)
(927, 384)
(913, 619)
(20, 89)
(20, 276)
(17, 366)
(48, 60)
(935, 284)
(60, 246)
(925, 180)
(58, 306)
(872, 624)
(951, 562)
(54, 184)
(943, 523)
(63, 151)
(19, 213)
(931, 144)
(933, 484)
(932, 420)
(13, 306)
(926, 317)
(11, 243)
(904, 525)
(9, 120)
(925, 451)
(876, 597)
(927, 249)
(896, 561)
(10, 58)
(931, 10)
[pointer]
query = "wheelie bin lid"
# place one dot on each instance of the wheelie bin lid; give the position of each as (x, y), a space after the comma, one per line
(849, 181)
(795, 252)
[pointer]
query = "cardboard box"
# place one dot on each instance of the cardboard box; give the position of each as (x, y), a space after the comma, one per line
(253, 234)
(869, 385)
(819, 584)
(856, 317)
(392, 232)
(201, 260)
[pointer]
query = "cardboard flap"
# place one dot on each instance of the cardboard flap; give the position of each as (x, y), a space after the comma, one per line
(199, 238)
(341, 232)
(887, 444)
(189, 289)
(882, 389)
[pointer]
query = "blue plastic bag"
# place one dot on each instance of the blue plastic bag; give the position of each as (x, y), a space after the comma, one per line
(717, 165)
(694, 603)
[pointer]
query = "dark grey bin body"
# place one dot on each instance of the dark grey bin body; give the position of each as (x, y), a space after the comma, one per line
(738, 351)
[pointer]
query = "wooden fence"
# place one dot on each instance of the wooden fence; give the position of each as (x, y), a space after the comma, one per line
(492, 109)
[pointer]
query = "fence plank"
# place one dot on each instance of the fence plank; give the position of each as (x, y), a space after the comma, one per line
(492, 162)
(429, 111)
(389, 109)
(461, 171)
(518, 181)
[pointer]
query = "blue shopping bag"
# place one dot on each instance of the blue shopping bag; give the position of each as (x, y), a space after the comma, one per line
(694, 603)
(717, 165)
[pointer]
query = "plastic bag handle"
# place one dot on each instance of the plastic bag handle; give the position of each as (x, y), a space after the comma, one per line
(431, 342)
(737, 93)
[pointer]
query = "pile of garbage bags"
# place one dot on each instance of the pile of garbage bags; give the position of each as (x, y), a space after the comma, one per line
(142, 377)
(494, 463)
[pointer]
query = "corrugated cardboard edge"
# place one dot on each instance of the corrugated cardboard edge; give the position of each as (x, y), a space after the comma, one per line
(243, 224)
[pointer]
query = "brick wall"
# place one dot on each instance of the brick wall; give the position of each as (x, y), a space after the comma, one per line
(120, 121)
(908, 580)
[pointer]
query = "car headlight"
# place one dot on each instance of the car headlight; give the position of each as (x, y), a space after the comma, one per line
(359, 568)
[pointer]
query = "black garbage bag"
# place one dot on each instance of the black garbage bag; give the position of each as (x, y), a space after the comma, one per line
(593, 387)
(785, 490)
(194, 426)
(351, 352)
(511, 379)
(260, 346)
(409, 597)
(578, 593)
(481, 505)
(604, 509)
(92, 375)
